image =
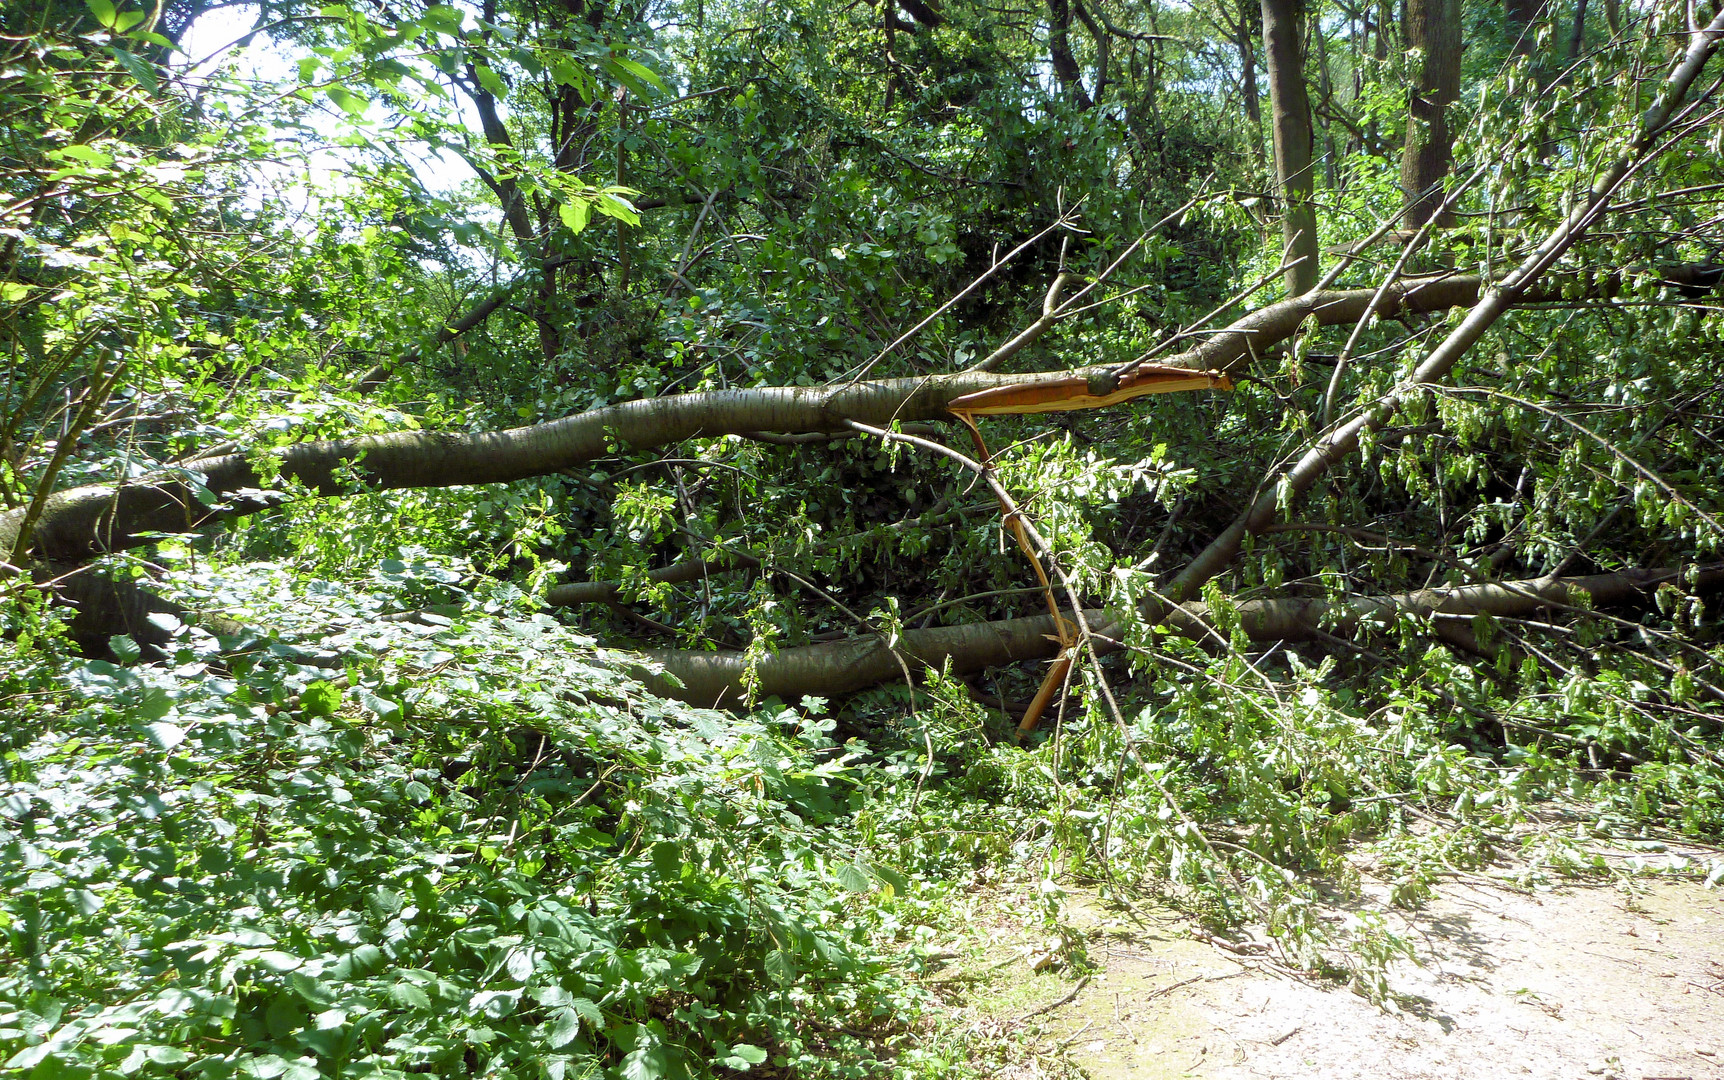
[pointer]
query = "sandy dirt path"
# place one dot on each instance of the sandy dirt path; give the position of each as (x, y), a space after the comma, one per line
(1608, 981)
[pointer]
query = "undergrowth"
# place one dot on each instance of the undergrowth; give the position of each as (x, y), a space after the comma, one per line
(419, 828)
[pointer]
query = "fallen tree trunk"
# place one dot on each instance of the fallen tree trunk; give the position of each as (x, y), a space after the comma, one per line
(81, 522)
(717, 679)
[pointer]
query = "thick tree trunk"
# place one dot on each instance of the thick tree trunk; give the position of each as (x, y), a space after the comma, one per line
(1290, 104)
(1433, 28)
(716, 679)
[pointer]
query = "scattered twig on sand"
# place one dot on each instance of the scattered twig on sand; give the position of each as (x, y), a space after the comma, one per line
(1052, 1005)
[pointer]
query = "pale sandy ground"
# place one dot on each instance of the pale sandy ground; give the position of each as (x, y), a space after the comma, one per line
(1611, 981)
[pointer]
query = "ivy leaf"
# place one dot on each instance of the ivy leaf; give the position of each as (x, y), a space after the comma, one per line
(320, 698)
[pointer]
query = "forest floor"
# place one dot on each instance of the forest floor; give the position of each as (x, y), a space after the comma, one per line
(1620, 980)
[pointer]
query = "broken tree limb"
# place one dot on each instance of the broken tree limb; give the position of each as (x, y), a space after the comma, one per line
(82, 522)
(841, 667)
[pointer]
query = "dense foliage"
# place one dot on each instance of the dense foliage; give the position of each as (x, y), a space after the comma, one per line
(320, 777)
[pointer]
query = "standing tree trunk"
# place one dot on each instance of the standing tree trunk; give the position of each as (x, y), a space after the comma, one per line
(1518, 19)
(1433, 27)
(1245, 41)
(1577, 39)
(1065, 66)
(1284, 48)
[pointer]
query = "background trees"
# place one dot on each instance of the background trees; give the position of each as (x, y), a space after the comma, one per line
(1448, 544)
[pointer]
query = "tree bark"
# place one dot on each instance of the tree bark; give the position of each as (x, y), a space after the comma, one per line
(1290, 106)
(1577, 37)
(1434, 29)
(716, 679)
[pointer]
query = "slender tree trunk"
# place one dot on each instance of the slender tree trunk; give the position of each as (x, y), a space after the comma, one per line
(1577, 38)
(1433, 28)
(1103, 48)
(1065, 66)
(1519, 17)
(1290, 103)
(1326, 87)
(1247, 45)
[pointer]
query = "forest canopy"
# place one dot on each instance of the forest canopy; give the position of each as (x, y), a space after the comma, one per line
(553, 538)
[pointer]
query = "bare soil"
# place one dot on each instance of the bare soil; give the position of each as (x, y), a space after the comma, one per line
(1621, 980)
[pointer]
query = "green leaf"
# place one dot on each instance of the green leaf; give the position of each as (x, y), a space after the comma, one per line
(648, 1063)
(780, 966)
(667, 859)
(564, 1027)
(349, 102)
(610, 202)
(103, 11)
(320, 698)
(383, 707)
(165, 736)
(312, 990)
(280, 962)
(855, 878)
(575, 214)
(744, 1056)
(362, 961)
(490, 80)
(640, 71)
(139, 68)
(284, 1016)
(167, 1055)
